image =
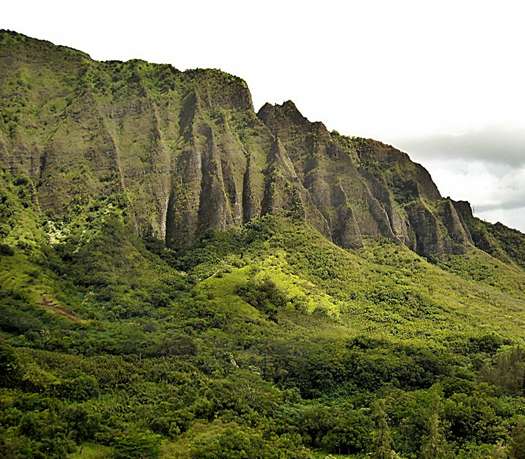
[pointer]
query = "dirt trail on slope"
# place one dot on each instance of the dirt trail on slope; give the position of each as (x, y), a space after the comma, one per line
(52, 306)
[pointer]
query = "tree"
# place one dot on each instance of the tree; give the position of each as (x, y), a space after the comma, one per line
(140, 445)
(434, 445)
(500, 451)
(383, 443)
(10, 371)
(517, 444)
(508, 370)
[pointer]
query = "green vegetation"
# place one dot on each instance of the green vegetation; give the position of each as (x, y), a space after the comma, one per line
(262, 341)
(256, 340)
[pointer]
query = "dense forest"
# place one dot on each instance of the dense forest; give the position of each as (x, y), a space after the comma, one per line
(323, 302)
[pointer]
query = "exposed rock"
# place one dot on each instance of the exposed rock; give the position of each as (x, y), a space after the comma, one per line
(186, 152)
(457, 229)
(429, 239)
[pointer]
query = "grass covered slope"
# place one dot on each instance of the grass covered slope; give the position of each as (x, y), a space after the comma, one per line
(262, 341)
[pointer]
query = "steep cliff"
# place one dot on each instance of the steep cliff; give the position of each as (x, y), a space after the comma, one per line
(184, 152)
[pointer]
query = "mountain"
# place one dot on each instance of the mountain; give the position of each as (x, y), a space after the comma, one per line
(187, 153)
(184, 277)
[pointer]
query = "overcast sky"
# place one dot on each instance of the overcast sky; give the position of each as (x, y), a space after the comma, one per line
(442, 80)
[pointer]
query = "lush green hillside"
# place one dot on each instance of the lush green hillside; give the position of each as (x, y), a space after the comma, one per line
(266, 340)
(183, 278)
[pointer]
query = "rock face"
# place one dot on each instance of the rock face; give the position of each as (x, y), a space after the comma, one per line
(187, 153)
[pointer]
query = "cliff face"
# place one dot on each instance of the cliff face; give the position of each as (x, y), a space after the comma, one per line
(186, 152)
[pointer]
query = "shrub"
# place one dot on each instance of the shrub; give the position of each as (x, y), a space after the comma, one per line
(140, 445)
(83, 424)
(10, 371)
(507, 371)
(6, 250)
(177, 345)
(351, 433)
(19, 181)
(235, 442)
(517, 445)
(489, 343)
(264, 296)
(79, 389)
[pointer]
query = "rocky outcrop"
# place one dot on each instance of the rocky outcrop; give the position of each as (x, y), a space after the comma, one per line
(186, 153)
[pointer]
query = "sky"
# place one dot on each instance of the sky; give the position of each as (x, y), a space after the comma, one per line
(442, 80)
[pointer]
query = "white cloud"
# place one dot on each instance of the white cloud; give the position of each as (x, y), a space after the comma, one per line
(498, 145)
(485, 166)
(495, 193)
(514, 218)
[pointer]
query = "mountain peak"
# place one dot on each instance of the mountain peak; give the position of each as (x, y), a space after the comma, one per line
(285, 112)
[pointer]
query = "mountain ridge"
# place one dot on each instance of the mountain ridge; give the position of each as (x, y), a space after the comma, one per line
(204, 158)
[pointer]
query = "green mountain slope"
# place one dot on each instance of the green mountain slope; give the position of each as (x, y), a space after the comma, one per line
(181, 277)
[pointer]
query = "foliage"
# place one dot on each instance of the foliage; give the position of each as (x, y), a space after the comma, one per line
(141, 445)
(261, 341)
